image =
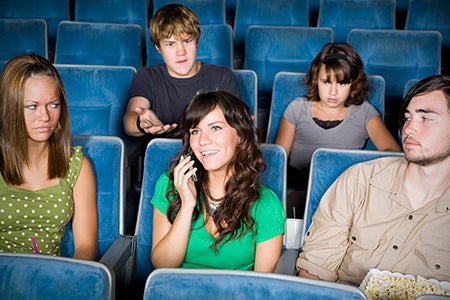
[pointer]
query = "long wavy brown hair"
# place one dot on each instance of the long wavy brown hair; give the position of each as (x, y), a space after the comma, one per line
(242, 190)
(347, 66)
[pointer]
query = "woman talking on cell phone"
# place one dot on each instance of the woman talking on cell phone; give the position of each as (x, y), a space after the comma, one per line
(226, 219)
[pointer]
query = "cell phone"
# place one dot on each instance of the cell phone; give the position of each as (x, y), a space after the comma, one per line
(194, 176)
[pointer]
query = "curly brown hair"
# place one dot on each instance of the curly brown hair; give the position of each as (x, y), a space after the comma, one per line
(347, 66)
(242, 190)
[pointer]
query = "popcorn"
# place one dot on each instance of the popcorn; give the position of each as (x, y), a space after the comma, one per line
(384, 285)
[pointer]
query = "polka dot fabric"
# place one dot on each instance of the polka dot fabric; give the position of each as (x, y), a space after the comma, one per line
(38, 215)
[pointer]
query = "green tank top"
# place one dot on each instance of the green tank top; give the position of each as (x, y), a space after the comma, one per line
(32, 221)
(237, 254)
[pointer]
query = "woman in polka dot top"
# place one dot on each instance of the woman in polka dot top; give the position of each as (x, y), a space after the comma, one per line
(44, 182)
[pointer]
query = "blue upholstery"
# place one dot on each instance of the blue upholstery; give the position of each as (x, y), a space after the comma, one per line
(52, 11)
(107, 157)
(431, 15)
(326, 166)
(113, 11)
(229, 284)
(215, 46)
(409, 84)
(19, 36)
(207, 11)
(265, 12)
(157, 157)
(272, 49)
(398, 55)
(90, 43)
(97, 97)
(288, 85)
(248, 88)
(30, 276)
(344, 15)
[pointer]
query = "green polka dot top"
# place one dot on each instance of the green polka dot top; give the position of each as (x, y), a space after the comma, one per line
(34, 221)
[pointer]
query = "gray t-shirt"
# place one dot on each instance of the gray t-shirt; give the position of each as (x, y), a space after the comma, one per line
(351, 133)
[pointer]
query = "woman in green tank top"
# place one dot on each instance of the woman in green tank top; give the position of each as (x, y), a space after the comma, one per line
(44, 182)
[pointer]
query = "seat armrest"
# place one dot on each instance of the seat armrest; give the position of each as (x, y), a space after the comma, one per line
(286, 262)
(120, 259)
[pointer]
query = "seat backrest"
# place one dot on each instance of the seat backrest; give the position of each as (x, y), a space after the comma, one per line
(247, 82)
(97, 97)
(397, 55)
(215, 46)
(113, 11)
(207, 11)
(158, 155)
(430, 15)
(30, 276)
(19, 36)
(289, 85)
(184, 283)
(52, 11)
(344, 15)
(107, 155)
(272, 49)
(326, 166)
(269, 13)
(92, 43)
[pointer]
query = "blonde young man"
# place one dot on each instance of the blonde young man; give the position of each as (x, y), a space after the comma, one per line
(390, 213)
(158, 94)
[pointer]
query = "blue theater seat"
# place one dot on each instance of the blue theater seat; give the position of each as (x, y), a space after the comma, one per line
(344, 15)
(97, 97)
(91, 43)
(107, 155)
(207, 11)
(231, 284)
(112, 11)
(272, 49)
(31, 276)
(397, 56)
(432, 15)
(52, 11)
(248, 81)
(20, 36)
(268, 13)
